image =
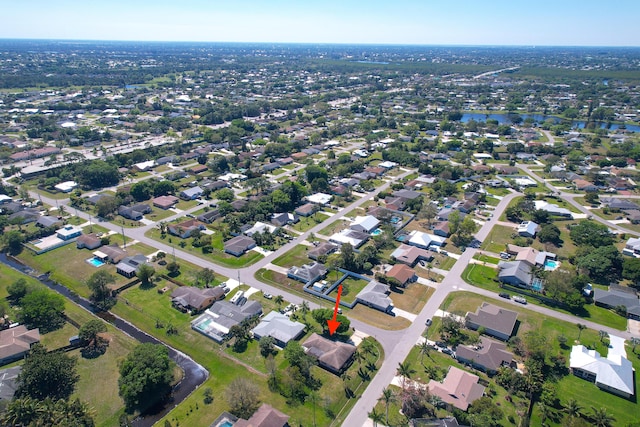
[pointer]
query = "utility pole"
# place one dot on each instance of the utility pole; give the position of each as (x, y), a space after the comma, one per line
(124, 239)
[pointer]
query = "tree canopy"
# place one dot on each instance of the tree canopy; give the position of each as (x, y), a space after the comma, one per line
(42, 309)
(591, 233)
(47, 375)
(145, 376)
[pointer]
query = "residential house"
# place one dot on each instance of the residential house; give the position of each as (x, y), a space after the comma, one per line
(376, 295)
(129, 266)
(16, 342)
(441, 229)
(190, 298)
(265, 416)
(402, 273)
(192, 193)
(89, 241)
(134, 212)
(239, 205)
(217, 320)
(47, 221)
(334, 356)
(319, 198)
(353, 237)
(410, 255)
(239, 245)
(260, 227)
(459, 388)
(307, 209)
(279, 327)
(583, 185)
(308, 273)
(111, 253)
(553, 209)
(614, 374)
(323, 249)
(282, 219)
(527, 229)
(165, 202)
(209, 217)
(198, 169)
(68, 232)
(496, 321)
(516, 273)
(365, 224)
(395, 203)
(617, 298)
(424, 240)
(617, 203)
(488, 356)
(186, 228)
(407, 194)
(632, 247)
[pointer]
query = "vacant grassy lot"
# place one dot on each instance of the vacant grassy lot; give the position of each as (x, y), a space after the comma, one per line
(308, 222)
(351, 287)
(295, 257)
(412, 298)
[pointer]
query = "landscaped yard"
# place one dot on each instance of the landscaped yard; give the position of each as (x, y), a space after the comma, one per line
(351, 287)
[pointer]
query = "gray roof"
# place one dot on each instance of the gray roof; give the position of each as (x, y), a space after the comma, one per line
(490, 354)
(48, 221)
(191, 192)
(308, 272)
(239, 244)
(376, 294)
(8, 382)
(279, 327)
(331, 354)
(494, 318)
(616, 298)
(617, 203)
(520, 270)
(189, 296)
(407, 194)
(231, 314)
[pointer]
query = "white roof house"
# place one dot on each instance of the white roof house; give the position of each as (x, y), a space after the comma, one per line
(260, 227)
(365, 223)
(388, 164)
(632, 247)
(279, 327)
(66, 186)
(319, 198)
(614, 373)
(145, 166)
(553, 209)
(353, 237)
(527, 228)
(424, 240)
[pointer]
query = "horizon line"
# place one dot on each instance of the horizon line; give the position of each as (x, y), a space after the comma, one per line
(530, 46)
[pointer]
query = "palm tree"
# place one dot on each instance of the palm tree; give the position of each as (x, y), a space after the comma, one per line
(405, 371)
(388, 396)
(375, 416)
(304, 308)
(279, 299)
(581, 328)
(635, 341)
(313, 398)
(358, 356)
(573, 408)
(602, 335)
(544, 412)
(424, 351)
(600, 417)
(368, 347)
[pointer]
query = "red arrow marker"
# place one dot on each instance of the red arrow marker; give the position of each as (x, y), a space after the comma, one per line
(333, 324)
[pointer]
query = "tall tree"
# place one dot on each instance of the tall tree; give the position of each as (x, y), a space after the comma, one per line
(42, 309)
(243, 397)
(145, 376)
(405, 370)
(101, 295)
(388, 397)
(47, 375)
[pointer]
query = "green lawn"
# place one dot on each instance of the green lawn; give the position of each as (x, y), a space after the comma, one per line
(350, 289)
(308, 222)
(334, 227)
(486, 258)
(412, 298)
(486, 278)
(295, 257)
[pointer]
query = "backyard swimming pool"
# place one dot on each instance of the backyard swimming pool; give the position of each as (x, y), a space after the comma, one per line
(551, 265)
(376, 232)
(96, 262)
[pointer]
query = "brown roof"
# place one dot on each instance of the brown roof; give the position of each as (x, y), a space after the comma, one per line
(401, 272)
(88, 239)
(323, 248)
(495, 318)
(305, 209)
(330, 354)
(199, 168)
(459, 388)
(265, 416)
(190, 296)
(299, 156)
(17, 341)
(165, 201)
(114, 252)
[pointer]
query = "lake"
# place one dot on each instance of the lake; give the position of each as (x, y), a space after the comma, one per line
(503, 118)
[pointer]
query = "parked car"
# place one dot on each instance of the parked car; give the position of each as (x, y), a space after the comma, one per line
(447, 350)
(504, 295)
(519, 299)
(504, 255)
(267, 296)
(441, 344)
(428, 322)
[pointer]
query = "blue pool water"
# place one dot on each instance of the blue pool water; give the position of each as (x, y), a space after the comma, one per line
(376, 232)
(551, 264)
(537, 284)
(96, 262)
(225, 423)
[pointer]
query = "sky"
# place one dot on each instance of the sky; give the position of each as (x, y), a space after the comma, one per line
(423, 22)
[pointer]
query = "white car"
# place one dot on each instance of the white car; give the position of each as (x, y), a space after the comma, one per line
(521, 300)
